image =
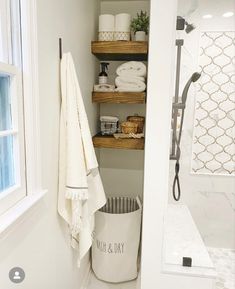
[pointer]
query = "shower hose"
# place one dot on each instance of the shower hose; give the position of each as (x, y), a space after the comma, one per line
(176, 183)
(176, 195)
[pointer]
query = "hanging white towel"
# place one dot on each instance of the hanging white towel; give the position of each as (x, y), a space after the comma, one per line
(132, 68)
(81, 191)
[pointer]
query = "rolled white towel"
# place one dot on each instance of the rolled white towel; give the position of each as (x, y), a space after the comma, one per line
(109, 118)
(130, 88)
(131, 84)
(132, 68)
(123, 80)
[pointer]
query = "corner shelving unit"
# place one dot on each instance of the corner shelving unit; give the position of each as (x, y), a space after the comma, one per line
(100, 141)
(119, 51)
(119, 97)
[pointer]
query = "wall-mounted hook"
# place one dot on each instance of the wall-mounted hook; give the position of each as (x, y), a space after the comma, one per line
(60, 48)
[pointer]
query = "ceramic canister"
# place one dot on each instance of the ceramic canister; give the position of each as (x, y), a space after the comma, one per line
(122, 22)
(106, 23)
(106, 27)
(122, 26)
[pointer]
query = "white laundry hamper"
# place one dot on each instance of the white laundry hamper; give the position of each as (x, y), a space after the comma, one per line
(116, 241)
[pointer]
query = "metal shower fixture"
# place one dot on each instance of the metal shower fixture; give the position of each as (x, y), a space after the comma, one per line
(195, 76)
(189, 27)
(182, 24)
(177, 137)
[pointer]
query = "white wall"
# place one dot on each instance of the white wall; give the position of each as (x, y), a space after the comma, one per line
(211, 199)
(131, 7)
(40, 244)
(122, 170)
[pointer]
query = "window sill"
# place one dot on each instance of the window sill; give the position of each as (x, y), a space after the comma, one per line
(11, 217)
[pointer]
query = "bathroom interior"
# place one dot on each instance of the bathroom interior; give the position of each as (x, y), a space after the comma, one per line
(179, 169)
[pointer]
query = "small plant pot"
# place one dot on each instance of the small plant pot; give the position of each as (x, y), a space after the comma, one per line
(140, 36)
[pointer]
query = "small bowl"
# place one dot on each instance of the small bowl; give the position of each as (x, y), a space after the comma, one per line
(129, 127)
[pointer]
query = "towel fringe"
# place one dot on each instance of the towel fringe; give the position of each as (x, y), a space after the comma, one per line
(76, 227)
(76, 194)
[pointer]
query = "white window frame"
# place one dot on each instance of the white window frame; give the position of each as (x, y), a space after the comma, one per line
(31, 117)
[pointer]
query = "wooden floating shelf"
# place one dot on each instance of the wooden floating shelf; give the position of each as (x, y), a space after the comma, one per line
(100, 141)
(120, 50)
(119, 97)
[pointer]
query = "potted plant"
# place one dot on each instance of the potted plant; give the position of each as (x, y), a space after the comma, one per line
(140, 26)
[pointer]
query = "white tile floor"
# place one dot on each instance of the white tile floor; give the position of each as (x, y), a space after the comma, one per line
(224, 261)
(97, 284)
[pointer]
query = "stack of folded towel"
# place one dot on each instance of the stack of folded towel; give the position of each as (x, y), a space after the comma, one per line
(131, 77)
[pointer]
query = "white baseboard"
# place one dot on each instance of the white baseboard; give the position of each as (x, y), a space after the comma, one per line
(86, 277)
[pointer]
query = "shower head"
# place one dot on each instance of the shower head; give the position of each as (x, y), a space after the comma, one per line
(195, 76)
(189, 27)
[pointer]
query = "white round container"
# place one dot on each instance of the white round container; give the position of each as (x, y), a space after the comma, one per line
(122, 22)
(106, 23)
(106, 36)
(124, 36)
(116, 241)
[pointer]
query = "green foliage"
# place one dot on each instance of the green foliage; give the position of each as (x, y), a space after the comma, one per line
(140, 23)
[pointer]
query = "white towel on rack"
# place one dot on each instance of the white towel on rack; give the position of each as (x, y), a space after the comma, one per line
(132, 68)
(81, 191)
(130, 83)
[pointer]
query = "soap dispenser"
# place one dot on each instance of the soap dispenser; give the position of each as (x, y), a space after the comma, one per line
(103, 76)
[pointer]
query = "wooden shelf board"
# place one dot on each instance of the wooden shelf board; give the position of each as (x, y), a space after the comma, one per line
(119, 97)
(120, 50)
(100, 141)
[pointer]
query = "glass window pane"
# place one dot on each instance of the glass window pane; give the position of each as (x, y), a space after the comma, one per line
(7, 174)
(5, 36)
(15, 32)
(10, 33)
(5, 103)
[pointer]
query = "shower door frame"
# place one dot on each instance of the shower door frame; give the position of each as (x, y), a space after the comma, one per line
(163, 15)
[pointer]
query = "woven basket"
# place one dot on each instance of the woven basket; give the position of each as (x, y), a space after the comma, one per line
(139, 120)
(129, 127)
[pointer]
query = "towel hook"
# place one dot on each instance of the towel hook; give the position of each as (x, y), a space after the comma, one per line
(60, 48)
